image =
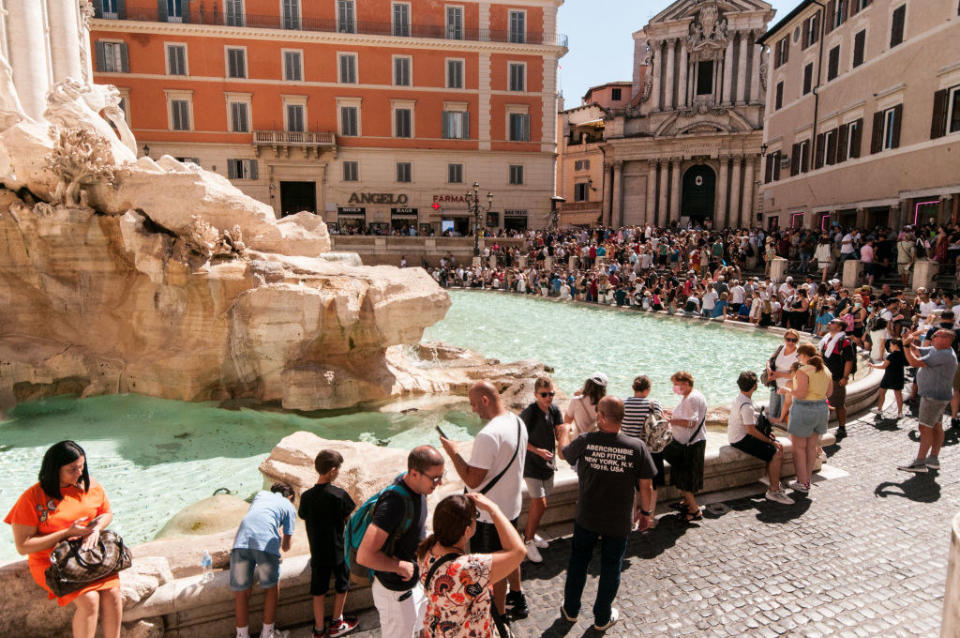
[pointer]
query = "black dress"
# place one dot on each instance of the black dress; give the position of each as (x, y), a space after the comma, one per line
(893, 373)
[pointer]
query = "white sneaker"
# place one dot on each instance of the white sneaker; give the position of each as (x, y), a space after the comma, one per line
(540, 541)
(779, 497)
(797, 486)
(614, 617)
(533, 554)
(276, 633)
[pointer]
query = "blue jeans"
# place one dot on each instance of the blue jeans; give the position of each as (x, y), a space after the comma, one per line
(776, 404)
(612, 549)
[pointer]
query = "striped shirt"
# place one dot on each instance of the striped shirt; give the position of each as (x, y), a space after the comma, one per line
(635, 413)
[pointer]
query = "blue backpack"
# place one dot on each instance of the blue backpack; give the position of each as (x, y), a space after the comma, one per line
(357, 526)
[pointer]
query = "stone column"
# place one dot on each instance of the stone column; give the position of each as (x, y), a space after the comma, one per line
(664, 185)
(736, 212)
(64, 39)
(720, 216)
(755, 96)
(675, 190)
(861, 217)
(728, 94)
(656, 48)
(616, 213)
(742, 82)
(650, 217)
(717, 79)
(925, 273)
(670, 87)
(778, 269)
(27, 37)
(851, 273)
(682, 95)
(746, 213)
(607, 193)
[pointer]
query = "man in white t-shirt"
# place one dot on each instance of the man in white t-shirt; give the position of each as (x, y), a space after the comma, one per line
(708, 302)
(496, 470)
(743, 435)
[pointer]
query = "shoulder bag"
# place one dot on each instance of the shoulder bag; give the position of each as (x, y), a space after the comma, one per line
(73, 568)
(765, 378)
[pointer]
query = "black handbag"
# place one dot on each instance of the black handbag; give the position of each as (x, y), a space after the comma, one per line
(73, 568)
(763, 425)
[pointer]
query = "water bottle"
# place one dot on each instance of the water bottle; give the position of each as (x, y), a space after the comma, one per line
(207, 564)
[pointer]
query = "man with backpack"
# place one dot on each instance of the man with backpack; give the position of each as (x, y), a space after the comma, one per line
(496, 470)
(841, 359)
(395, 519)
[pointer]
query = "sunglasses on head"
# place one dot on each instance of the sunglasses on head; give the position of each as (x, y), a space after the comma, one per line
(546, 394)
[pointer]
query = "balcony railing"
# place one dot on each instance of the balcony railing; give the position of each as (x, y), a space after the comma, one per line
(316, 141)
(214, 15)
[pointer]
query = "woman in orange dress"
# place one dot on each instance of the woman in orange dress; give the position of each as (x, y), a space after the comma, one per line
(66, 504)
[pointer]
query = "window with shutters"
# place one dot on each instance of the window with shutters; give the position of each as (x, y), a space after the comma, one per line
(778, 99)
(518, 26)
(581, 191)
(781, 52)
(772, 173)
(516, 174)
(803, 156)
(517, 72)
(236, 62)
(455, 173)
(859, 47)
(848, 140)
(811, 30)
(830, 145)
(454, 74)
(291, 14)
(455, 23)
(456, 125)
(293, 66)
(111, 9)
(294, 117)
(350, 121)
(242, 168)
(348, 67)
(860, 5)
(897, 23)
(519, 127)
(233, 13)
(403, 122)
(112, 57)
(174, 10)
(840, 14)
(402, 70)
(946, 112)
(351, 171)
(346, 16)
(180, 115)
(404, 171)
(833, 63)
(808, 78)
(886, 129)
(239, 117)
(176, 59)
(401, 19)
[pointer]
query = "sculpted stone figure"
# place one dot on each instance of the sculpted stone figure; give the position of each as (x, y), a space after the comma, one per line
(80, 158)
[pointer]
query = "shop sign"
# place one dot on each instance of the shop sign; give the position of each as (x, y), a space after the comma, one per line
(378, 198)
(351, 210)
(513, 212)
(450, 199)
(404, 210)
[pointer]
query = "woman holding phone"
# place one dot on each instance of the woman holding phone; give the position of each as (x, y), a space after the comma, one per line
(67, 504)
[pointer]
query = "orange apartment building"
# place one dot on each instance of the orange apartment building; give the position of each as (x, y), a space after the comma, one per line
(368, 112)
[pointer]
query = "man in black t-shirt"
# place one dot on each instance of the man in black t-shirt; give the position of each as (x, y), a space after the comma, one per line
(325, 509)
(611, 466)
(543, 419)
(389, 546)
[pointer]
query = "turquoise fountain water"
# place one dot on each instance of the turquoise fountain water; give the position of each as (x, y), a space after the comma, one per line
(155, 456)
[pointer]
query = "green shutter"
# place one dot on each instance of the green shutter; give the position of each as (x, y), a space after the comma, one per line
(162, 10)
(938, 126)
(124, 58)
(100, 55)
(122, 9)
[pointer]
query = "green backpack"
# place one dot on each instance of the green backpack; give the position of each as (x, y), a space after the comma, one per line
(357, 526)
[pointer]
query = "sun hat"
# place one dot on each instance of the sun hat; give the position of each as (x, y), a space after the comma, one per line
(599, 379)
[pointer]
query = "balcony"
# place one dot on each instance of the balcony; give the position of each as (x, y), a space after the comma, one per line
(312, 142)
(214, 15)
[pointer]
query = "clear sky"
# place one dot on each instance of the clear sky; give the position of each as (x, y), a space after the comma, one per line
(601, 42)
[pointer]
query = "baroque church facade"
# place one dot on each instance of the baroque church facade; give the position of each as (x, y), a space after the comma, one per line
(687, 148)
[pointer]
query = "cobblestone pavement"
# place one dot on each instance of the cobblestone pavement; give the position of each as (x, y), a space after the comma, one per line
(864, 555)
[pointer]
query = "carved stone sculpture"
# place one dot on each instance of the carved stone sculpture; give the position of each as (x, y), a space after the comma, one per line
(763, 74)
(81, 159)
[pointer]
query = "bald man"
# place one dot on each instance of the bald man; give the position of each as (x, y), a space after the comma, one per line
(495, 469)
(611, 467)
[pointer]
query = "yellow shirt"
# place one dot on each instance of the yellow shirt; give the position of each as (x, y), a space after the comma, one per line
(817, 383)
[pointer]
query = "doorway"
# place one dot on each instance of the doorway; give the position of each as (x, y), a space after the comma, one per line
(699, 187)
(297, 196)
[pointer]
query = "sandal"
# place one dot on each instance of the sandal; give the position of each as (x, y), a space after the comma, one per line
(692, 517)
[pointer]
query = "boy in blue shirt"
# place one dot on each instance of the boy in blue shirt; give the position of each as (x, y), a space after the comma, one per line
(256, 548)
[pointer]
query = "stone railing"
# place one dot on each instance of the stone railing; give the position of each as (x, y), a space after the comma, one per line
(389, 250)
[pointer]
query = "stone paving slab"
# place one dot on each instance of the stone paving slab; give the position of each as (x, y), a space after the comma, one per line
(864, 555)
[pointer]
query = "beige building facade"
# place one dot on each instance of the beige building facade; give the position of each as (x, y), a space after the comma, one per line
(862, 119)
(687, 148)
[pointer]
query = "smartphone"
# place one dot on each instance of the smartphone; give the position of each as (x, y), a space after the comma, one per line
(441, 432)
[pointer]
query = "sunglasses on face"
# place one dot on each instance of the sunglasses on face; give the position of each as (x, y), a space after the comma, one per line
(546, 394)
(790, 340)
(434, 479)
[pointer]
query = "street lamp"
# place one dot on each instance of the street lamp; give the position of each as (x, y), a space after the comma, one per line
(473, 204)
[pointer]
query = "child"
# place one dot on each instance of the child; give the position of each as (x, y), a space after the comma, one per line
(892, 368)
(325, 509)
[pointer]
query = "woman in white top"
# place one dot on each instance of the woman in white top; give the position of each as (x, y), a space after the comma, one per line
(778, 367)
(686, 451)
(582, 411)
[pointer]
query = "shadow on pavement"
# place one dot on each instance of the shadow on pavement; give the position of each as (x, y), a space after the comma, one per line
(921, 488)
(560, 627)
(770, 512)
(886, 424)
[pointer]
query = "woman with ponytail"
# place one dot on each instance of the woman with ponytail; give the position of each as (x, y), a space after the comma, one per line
(457, 584)
(809, 413)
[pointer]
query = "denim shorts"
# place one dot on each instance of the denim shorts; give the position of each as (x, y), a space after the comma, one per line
(808, 417)
(244, 562)
(539, 488)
